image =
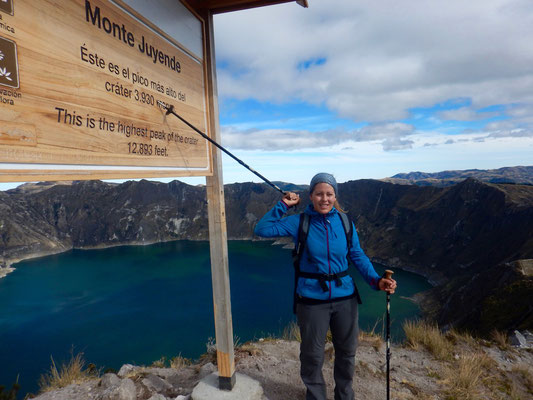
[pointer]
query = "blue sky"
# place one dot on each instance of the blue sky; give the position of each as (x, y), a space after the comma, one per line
(369, 89)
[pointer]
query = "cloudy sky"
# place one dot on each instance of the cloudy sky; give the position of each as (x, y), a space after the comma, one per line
(368, 89)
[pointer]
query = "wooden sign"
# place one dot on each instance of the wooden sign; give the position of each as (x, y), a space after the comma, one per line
(79, 85)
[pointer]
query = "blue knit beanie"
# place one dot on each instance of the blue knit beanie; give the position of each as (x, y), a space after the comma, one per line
(323, 177)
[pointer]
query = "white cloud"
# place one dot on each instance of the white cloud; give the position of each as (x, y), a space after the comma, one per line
(519, 133)
(381, 57)
(523, 112)
(391, 135)
(387, 131)
(281, 139)
(466, 114)
(397, 144)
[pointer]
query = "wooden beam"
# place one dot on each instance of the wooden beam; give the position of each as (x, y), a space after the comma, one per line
(223, 6)
(34, 175)
(217, 228)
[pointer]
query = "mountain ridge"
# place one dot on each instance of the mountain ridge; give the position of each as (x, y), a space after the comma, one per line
(522, 175)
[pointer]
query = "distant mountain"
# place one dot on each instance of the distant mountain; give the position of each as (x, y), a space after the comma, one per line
(452, 235)
(290, 187)
(518, 175)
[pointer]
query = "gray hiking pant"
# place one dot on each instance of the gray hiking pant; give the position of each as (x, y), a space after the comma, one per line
(314, 321)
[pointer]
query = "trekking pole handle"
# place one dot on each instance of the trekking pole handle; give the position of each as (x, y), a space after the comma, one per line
(388, 274)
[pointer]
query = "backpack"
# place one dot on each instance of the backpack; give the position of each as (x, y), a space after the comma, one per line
(303, 230)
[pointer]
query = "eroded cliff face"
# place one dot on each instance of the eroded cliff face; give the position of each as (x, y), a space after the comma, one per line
(438, 230)
(496, 298)
(446, 234)
(442, 232)
(93, 213)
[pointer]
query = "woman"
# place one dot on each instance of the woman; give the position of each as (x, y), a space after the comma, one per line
(327, 303)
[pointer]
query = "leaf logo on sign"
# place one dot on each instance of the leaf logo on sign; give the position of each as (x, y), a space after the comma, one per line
(8, 63)
(5, 74)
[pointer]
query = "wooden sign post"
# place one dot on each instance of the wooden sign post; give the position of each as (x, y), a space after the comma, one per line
(218, 234)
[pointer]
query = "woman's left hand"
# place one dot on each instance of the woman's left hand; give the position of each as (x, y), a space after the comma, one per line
(387, 285)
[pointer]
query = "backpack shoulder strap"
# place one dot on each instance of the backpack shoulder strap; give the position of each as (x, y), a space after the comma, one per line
(348, 228)
(303, 231)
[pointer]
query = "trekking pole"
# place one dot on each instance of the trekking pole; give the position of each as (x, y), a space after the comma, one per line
(387, 275)
(170, 110)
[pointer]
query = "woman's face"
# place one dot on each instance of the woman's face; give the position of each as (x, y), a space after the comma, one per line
(323, 198)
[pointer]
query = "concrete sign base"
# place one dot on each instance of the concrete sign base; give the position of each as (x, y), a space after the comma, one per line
(245, 388)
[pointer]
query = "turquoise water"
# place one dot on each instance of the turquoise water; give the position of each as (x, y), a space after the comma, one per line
(135, 304)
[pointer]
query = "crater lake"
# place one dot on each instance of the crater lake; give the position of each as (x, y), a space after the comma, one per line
(137, 304)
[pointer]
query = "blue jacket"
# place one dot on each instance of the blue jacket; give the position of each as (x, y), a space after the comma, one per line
(325, 251)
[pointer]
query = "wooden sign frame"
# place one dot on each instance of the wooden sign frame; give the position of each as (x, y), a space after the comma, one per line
(23, 133)
(85, 107)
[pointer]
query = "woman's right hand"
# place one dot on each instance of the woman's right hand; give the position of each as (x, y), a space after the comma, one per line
(291, 199)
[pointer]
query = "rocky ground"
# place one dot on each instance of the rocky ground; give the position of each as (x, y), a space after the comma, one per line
(415, 374)
(5, 270)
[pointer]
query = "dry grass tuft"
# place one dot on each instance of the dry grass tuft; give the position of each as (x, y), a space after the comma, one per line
(161, 363)
(210, 356)
(371, 338)
(292, 332)
(414, 334)
(421, 333)
(464, 377)
(250, 349)
(457, 337)
(501, 339)
(72, 372)
(12, 394)
(180, 362)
